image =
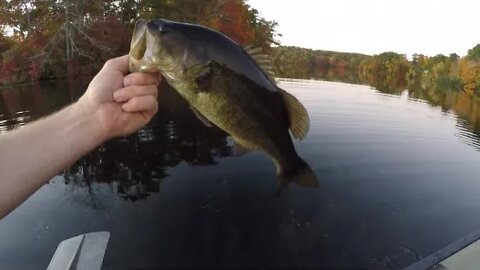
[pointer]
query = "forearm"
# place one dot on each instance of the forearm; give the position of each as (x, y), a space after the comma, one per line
(32, 155)
(114, 104)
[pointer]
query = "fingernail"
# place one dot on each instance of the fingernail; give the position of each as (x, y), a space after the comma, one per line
(127, 81)
(117, 95)
(124, 106)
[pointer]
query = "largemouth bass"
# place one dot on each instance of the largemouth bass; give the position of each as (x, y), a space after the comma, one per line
(228, 86)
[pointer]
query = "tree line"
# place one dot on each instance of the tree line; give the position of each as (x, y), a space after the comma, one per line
(52, 39)
(301, 63)
(388, 71)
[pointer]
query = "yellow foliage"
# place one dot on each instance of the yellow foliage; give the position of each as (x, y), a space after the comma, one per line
(470, 73)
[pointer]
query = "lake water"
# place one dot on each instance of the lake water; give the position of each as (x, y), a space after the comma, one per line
(398, 181)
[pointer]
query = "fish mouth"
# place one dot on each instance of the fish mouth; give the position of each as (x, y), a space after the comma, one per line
(144, 49)
(149, 53)
(138, 44)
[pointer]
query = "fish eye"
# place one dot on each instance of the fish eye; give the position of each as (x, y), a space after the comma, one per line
(163, 29)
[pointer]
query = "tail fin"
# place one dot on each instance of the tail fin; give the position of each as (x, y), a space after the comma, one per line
(300, 173)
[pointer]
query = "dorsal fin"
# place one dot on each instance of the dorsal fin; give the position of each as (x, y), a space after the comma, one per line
(299, 122)
(262, 60)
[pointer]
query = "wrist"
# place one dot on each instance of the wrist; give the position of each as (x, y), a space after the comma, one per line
(87, 121)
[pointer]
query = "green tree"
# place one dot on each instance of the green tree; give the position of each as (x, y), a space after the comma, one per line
(474, 53)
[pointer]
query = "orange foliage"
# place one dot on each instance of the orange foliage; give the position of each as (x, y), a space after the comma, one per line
(235, 23)
(100, 30)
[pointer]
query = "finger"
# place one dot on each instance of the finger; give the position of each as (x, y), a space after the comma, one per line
(144, 104)
(126, 93)
(119, 63)
(142, 78)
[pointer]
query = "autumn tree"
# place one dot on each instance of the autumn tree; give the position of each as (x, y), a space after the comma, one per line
(386, 71)
(48, 35)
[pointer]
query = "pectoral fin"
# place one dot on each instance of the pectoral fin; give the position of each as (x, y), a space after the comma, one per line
(299, 122)
(203, 79)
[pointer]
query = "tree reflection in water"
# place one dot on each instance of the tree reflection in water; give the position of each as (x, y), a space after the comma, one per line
(136, 164)
(465, 105)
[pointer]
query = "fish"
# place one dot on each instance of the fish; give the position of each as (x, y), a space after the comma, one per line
(227, 86)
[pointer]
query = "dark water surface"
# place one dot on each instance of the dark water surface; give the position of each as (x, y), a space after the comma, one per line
(399, 180)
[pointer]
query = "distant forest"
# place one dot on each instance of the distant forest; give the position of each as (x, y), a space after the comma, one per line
(389, 71)
(54, 39)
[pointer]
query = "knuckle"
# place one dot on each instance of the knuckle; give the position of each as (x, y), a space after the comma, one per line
(108, 63)
(152, 100)
(153, 107)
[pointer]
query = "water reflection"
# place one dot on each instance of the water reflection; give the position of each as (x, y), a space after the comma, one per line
(339, 74)
(466, 106)
(12, 115)
(136, 164)
(396, 185)
(139, 162)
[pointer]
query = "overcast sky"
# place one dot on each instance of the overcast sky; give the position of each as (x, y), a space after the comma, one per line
(374, 26)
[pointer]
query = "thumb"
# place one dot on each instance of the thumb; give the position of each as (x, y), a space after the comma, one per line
(118, 64)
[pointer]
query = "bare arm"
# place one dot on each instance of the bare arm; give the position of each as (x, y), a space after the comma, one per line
(114, 104)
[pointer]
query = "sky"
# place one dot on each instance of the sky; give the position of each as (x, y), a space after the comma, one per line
(428, 27)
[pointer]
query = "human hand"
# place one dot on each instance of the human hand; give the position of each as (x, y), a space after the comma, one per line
(120, 103)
